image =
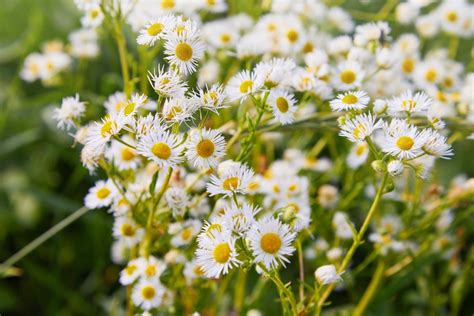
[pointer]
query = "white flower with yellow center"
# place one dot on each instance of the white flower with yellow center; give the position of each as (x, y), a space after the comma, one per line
(148, 294)
(436, 144)
(358, 155)
(233, 180)
(161, 147)
(217, 256)
(130, 273)
(93, 17)
(184, 51)
(100, 195)
(240, 218)
(216, 6)
(360, 127)
(150, 268)
(212, 99)
(70, 112)
(205, 147)
(125, 228)
(167, 83)
(192, 270)
(410, 103)
(131, 107)
(124, 157)
(283, 106)
(101, 132)
(402, 140)
(270, 242)
(115, 102)
(355, 100)
(179, 109)
(186, 232)
(242, 85)
(349, 75)
(155, 30)
(274, 73)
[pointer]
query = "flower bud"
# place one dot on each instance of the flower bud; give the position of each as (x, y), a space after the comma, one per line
(379, 166)
(327, 274)
(395, 167)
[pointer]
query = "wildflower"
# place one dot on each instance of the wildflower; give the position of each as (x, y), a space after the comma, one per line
(130, 273)
(356, 100)
(402, 140)
(70, 112)
(127, 229)
(147, 294)
(233, 180)
(217, 256)
(436, 144)
(240, 218)
(327, 274)
(410, 103)
(242, 85)
(100, 195)
(360, 127)
(283, 106)
(270, 242)
(163, 148)
(349, 76)
(155, 30)
(167, 83)
(205, 147)
(183, 51)
(395, 167)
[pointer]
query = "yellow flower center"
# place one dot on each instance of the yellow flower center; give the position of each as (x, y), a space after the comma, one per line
(308, 47)
(360, 149)
(148, 292)
(211, 3)
(221, 252)
(128, 154)
(167, 4)
(282, 104)
(231, 183)
(246, 86)
(198, 270)
(254, 185)
(205, 148)
(150, 270)
(95, 13)
(155, 29)
(451, 16)
(448, 82)
(270, 243)
(176, 109)
(431, 75)
(359, 130)
(405, 143)
(130, 269)
(129, 108)
(225, 38)
(271, 27)
(102, 193)
(292, 35)
(127, 230)
(350, 99)
(107, 128)
(408, 104)
(161, 150)
(184, 51)
(348, 76)
(186, 234)
(408, 65)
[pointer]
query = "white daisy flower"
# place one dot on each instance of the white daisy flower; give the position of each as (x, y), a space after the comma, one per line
(355, 100)
(130, 273)
(101, 132)
(327, 274)
(124, 157)
(402, 140)
(213, 98)
(162, 147)
(436, 144)
(127, 229)
(205, 147)
(283, 106)
(358, 155)
(359, 127)
(155, 30)
(93, 17)
(274, 73)
(411, 103)
(101, 194)
(270, 242)
(167, 83)
(150, 268)
(233, 180)
(217, 256)
(177, 110)
(115, 102)
(192, 270)
(186, 234)
(70, 112)
(147, 294)
(241, 85)
(240, 218)
(348, 76)
(183, 51)
(131, 107)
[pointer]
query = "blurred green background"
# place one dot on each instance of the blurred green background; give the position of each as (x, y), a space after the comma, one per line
(42, 181)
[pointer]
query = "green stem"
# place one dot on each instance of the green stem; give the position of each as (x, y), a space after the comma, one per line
(122, 49)
(301, 267)
(358, 239)
(370, 291)
(42, 238)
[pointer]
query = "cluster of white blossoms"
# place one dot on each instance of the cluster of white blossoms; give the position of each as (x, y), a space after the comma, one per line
(185, 189)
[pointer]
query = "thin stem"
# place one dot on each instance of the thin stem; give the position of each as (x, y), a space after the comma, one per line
(42, 238)
(370, 291)
(122, 49)
(301, 267)
(357, 241)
